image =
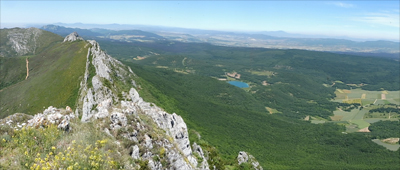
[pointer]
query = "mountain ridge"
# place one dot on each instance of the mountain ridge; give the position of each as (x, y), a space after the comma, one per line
(114, 113)
(108, 97)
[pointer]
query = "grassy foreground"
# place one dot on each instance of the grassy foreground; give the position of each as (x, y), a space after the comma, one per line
(51, 148)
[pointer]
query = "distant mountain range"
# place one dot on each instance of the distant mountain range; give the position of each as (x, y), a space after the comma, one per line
(154, 28)
(266, 39)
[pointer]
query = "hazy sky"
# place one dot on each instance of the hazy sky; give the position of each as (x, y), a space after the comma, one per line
(358, 19)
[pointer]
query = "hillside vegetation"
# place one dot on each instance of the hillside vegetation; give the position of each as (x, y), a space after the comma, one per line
(294, 83)
(227, 121)
(55, 74)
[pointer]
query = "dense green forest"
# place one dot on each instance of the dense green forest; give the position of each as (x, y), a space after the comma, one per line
(232, 120)
(385, 129)
(295, 77)
(385, 110)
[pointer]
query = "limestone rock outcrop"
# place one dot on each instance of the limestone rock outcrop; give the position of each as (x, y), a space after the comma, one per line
(72, 37)
(244, 157)
(97, 87)
(52, 115)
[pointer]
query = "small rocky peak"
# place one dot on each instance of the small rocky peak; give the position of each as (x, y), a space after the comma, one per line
(72, 37)
(245, 157)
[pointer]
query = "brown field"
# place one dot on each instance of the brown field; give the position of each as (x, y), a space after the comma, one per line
(341, 95)
(336, 117)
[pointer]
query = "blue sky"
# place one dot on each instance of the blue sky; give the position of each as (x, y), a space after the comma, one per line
(358, 19)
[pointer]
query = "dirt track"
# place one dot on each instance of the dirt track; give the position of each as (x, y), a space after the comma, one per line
(27, 69)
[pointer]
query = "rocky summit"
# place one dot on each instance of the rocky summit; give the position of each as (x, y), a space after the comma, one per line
(73, 37)
(111, 127)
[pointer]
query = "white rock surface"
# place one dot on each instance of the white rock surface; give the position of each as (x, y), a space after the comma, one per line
(72, 37)
(52, 115)
(244, 157)
(135, 152)
(118, 120)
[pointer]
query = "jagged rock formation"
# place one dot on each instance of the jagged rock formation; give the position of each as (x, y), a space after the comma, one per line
(244, 157)
(72, 37)
(100, 98)
(98, 84)
(52, 115)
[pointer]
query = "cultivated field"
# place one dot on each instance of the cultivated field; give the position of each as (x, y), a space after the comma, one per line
(358, 118)
(262, 73)
(367, 97)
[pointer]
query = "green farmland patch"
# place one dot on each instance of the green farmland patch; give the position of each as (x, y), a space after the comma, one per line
(373, 120)
(360, 115)
(346, 115)
(262, 73)
(360, 123)
(367, 101)
(382, 102)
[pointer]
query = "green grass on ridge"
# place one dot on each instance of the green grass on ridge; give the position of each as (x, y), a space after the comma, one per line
(54, 80)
